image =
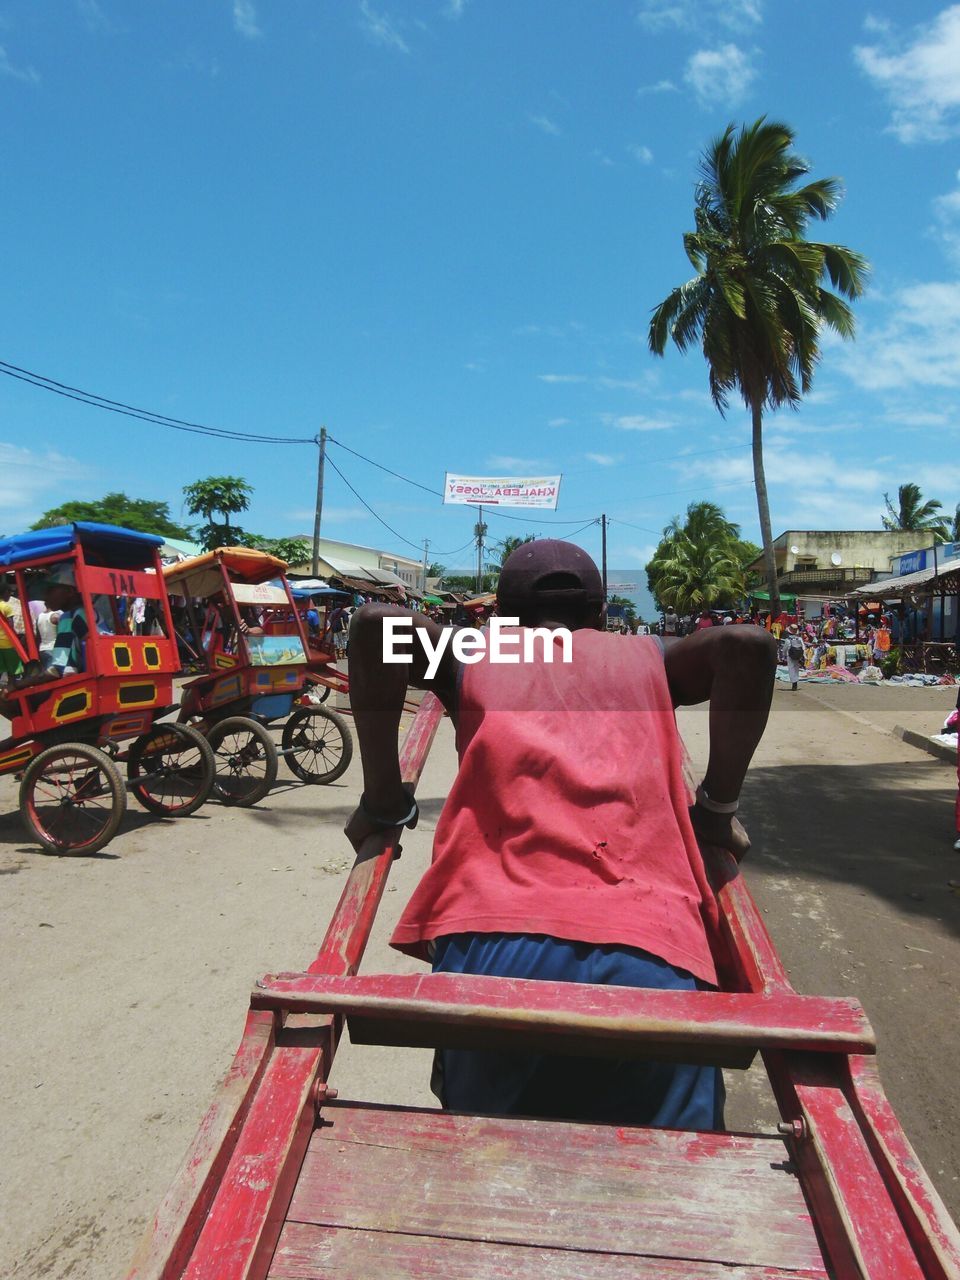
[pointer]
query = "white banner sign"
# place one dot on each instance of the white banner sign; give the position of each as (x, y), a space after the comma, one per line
(497, 491)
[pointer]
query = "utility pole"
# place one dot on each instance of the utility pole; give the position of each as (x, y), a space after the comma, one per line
(603, 558)
(480, 530)
(426, 547)
(322, 444)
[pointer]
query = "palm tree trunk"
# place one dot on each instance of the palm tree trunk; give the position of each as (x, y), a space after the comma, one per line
(763, 509)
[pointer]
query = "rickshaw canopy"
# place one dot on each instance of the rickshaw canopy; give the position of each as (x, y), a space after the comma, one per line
(200, 575)
(119, 548)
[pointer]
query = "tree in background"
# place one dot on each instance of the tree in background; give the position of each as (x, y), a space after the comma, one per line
(699, 563)
(223, 495)
(141, 514)
(628, 607)
(506, 547)
(291, 550)
(914, 515)
(756, 305)
(954, 530)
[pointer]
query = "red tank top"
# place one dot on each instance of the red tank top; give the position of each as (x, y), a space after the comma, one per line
(569, 812)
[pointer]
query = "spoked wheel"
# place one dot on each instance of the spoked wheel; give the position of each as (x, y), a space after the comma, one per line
(245, 758)
(317, 744)
(171, 770)
(72, 798)
(318, 693)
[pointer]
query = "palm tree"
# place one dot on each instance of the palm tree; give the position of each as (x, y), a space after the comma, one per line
(954, 529)
(915, 515)
(508, 545)
(697, 564)
(756, 305)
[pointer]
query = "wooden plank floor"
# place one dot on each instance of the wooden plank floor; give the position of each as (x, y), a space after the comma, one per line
(398, 1192)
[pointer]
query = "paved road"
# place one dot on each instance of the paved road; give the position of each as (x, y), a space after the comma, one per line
(127, 973)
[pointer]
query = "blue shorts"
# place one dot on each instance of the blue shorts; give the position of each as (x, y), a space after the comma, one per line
(663, 1095)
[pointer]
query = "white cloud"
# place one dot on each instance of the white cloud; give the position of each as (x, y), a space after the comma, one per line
(381, 28)
(454, 8)
(917, 346)
(641, 153)
(93, 15)
(719, 75)
(946, 211)
(561, 377)
(623, 384)
(31, 482)
(689, 15)
(922, 81)
(545, 125)
(245, 19)
(506, 462)
(559, 422)
(637, 422)
(661, 86)
(603, 459)
(26, 74)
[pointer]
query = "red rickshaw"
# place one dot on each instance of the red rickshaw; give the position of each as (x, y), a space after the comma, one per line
(69, 719)
(240, 622)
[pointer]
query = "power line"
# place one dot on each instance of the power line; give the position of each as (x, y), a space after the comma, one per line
(144, 415)
(487, 510)
(371, 510)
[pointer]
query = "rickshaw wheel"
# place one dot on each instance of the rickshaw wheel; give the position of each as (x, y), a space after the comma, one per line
(317, 744)
(72, 798)
(318, 693)
(171, 769)
(245, 758)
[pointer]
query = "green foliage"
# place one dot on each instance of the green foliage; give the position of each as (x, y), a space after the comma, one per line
(890, 665)
(629, 609)
(292, 550)
(435, 569)
(507, 546)
(916, 516)
(142, 514)
(467, 582)
(954, 530)
(698, 563)
(757, 304)
(227, 495)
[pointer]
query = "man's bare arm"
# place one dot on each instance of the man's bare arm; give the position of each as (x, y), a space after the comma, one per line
(735, 668)
(377, 692)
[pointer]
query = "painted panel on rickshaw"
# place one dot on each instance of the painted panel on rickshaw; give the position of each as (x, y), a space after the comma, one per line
(275, 651)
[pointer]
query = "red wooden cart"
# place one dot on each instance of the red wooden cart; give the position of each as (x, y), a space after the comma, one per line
(68, 730)
(249, 637)
(286, 1181)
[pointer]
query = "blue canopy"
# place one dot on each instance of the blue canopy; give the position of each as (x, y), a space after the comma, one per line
(117, 548)
(304, 593)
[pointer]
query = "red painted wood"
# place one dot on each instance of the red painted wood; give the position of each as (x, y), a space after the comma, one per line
(932, 1232)
(346, 938)
(469, 1011)
(861, 1229)
(244, 1221)
(593, 1188)
(166, 1247)
(749, 961)
(306, 1252)
(124, 582)
(241, 1229)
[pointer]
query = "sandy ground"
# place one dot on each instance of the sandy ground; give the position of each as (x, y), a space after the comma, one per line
(127, 973)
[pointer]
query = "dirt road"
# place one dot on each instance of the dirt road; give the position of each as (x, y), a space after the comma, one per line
(126, 974)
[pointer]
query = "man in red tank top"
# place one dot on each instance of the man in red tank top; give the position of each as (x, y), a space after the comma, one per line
(566, 850)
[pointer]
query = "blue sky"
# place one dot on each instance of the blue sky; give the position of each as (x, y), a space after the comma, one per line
(439, 227)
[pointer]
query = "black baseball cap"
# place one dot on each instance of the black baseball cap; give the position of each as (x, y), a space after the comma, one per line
(548, 571)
